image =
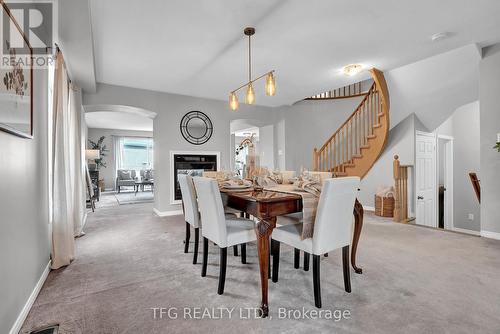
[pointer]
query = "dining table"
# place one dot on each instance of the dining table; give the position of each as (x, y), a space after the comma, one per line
(266, 205)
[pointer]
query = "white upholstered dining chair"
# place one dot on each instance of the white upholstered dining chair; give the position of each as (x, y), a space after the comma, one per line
(191, 213)
(332, 230)
(220, 228)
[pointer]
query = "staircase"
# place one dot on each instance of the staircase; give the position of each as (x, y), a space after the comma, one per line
(356, 145)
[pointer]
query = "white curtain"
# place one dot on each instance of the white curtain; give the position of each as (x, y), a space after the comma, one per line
(117, 151)
(78, 154)
(68, 202)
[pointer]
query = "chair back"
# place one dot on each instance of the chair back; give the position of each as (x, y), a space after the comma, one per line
(212, 210)
(190, 205)
(334, 216)
(120, 173)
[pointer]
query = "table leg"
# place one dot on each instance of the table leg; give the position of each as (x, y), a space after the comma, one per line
(358, 225)
(263, 230)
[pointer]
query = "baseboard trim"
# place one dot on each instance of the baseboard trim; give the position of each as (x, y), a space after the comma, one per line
(167, 213)
(491, 235)
(368, 208)
(29, 303)
(465, 231)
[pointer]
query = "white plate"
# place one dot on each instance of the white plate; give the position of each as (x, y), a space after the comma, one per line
(237, 186)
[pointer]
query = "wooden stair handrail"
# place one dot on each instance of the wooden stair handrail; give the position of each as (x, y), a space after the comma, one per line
(372, 88)
(355, 146)
(476, 185)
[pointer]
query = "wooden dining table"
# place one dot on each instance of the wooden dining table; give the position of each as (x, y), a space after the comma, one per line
(266, 206)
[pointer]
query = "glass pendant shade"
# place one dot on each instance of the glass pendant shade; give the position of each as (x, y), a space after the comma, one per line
(270, 85)
(250, 98)
(233, 102)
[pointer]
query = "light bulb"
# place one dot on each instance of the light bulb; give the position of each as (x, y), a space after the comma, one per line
(233, 102)
(250, 98)
(270, 85)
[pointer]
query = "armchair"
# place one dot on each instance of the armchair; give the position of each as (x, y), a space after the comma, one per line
(125, 178)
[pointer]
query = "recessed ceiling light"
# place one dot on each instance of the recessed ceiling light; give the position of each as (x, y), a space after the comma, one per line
(352, 69)
(439, 36)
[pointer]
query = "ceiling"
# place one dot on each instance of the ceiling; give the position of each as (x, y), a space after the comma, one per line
(118, 120)
(197, 47)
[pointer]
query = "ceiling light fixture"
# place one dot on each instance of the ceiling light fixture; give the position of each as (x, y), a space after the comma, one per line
(352, 69)
(270, 87)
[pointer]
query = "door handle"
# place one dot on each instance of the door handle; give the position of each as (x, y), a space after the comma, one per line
(420, 197)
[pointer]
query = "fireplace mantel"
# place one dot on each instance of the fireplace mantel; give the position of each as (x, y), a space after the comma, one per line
(173, 155)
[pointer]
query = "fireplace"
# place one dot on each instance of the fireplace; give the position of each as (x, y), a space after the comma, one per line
(192, 163)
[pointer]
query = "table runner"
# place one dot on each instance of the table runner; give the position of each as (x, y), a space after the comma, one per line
(309, 206)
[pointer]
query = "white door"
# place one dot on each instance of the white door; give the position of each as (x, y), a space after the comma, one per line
(425, 169)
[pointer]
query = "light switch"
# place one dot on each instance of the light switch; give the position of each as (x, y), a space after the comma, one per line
(471, 216)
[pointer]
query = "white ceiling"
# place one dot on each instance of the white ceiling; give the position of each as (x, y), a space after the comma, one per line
(118, 120)
(197, 47)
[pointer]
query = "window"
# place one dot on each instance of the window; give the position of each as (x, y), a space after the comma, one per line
(135, 153)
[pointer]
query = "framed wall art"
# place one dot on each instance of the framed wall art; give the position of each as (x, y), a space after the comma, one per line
(16, 78)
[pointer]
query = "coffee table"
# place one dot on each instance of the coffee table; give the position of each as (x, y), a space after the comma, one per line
(143, 183)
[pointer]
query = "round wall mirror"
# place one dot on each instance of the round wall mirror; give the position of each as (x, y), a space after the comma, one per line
(196, 127)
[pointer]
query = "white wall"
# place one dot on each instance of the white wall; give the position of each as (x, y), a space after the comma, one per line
(308, 124)
(463, 126)
(266, 146)
(401, 141)
(108, 173)
(24, 236)
(489, 98)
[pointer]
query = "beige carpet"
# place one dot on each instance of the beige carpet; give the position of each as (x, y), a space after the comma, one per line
(415, 280)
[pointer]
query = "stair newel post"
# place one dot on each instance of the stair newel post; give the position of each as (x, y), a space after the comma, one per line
(397, 194)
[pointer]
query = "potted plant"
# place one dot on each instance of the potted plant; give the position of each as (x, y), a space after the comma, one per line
(102, 149)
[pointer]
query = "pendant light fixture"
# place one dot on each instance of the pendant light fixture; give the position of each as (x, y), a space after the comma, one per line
(270, 87)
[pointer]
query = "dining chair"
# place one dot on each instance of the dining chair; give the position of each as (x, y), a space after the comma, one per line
(219, 228)
(191, 213)
(332, 230)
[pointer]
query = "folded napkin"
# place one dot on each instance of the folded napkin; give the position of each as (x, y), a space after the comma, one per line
(235, 182)
(266, 182)
(311, 186)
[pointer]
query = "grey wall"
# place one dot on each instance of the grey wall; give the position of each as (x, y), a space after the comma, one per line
(463, 126)
(24, 237)
(489, 126)
(109, 173)
(170, 108)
